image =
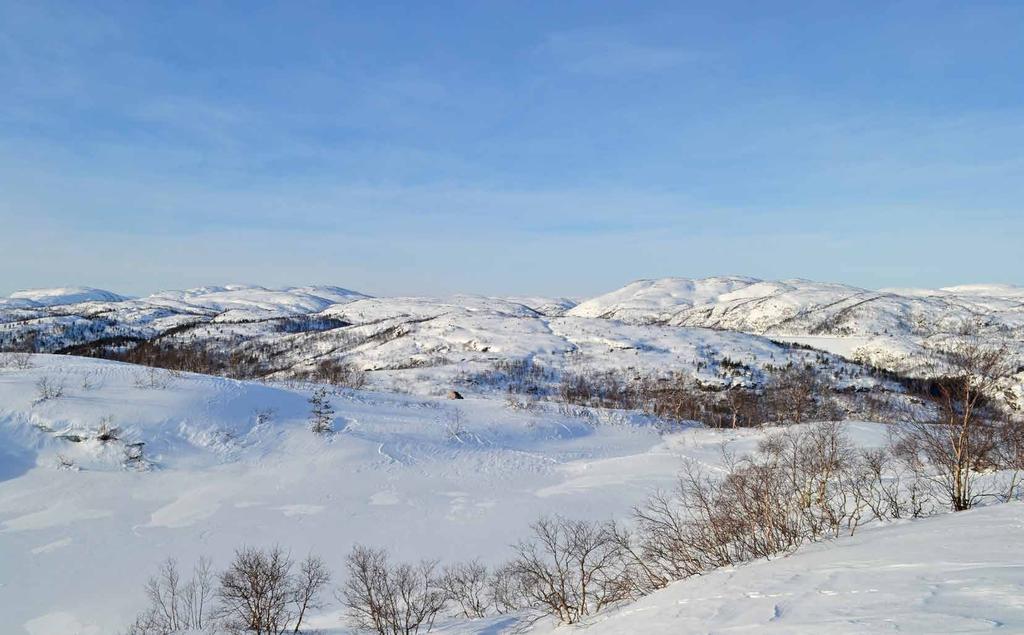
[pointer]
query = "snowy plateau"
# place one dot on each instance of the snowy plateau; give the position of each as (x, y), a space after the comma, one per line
(229, 459)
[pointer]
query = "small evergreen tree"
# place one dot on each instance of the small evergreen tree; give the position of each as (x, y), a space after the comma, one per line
(321, 414)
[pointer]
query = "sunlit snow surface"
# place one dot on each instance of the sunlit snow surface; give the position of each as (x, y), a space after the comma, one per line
(77, 545)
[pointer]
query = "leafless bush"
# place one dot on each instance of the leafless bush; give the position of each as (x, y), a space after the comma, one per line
(888, 489)
(454, 422)
(679, 398)
(107, 431)
(177, 606)
(153, 378)
(514, 376)
(881, 407)
(571, 568)
(321, 412)
(1010, 453)
(505, 589)
(964, 436)
(390, 599)
(49, 388)
(308, 585)
(796, 394)
(598, 389)
(803, 484)
(525, 403)
(466, 584)
(339, 373)
(17, 361)
(259, 593)
(90, 380)
(66, 463)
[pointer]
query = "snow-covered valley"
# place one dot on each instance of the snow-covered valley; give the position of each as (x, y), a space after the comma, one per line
(109, 468)
(77, 544)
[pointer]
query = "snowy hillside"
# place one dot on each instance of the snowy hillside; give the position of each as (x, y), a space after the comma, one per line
(220, 463)
(413, 344)
(425, 345)
(56, 297)
(801, 307)
(894, 329)
(950, 574)
(426, 477)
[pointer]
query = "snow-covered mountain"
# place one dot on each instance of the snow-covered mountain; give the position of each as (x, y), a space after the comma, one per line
(59, 296)
(425, 344)
(226, 462)
(894, 329)
(802, 307)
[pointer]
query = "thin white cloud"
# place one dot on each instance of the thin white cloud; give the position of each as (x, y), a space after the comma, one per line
(604, 52)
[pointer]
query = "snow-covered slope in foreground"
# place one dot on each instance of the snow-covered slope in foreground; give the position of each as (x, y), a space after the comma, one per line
(956, 573)
(424, 478)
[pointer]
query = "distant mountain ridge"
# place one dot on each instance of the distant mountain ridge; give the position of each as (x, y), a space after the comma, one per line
(802, 306)
(647, 326)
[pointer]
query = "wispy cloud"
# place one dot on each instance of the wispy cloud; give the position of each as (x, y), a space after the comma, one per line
(608, 53)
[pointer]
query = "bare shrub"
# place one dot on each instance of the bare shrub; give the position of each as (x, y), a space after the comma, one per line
(1010, 453)
(505, 589)
(107, 431)
(390, 599)
(174, 605)
(676, 398)
(49, 388)
(888, 489)
(796, 394)
(321, 412)
(571, 568)
(803, 484)
(962, 438)
(525, 403)
(90, 380)
(253, 592)
(454, 422)
(308, 584)
(514, 376)
(259, 593)
(17, 361)
(466, 584)
(339, 373)
(598, 389)
(679, 398)
(153, 379)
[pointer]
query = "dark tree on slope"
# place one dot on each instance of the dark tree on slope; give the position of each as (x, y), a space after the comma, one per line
(321, 413)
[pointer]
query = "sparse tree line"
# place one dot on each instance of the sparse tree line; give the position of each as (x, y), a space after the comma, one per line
(788, 393)
(238, 358)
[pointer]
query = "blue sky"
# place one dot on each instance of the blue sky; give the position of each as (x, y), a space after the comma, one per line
(509, 147)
